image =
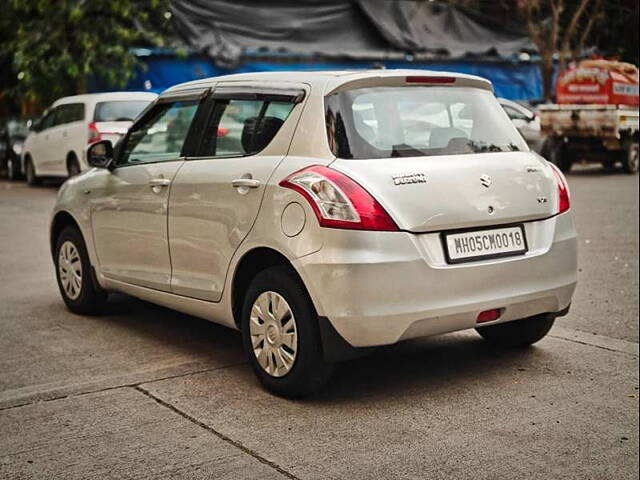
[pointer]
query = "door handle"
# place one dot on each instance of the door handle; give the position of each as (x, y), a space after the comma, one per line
(245, 182)
(159, 182)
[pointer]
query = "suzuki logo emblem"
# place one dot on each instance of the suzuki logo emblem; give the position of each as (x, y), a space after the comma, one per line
(485, 180)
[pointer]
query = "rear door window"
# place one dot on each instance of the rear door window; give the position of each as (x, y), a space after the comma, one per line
(243, 127)
(69, 113)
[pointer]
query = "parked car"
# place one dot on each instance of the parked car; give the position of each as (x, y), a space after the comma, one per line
(316, 232)
(12, 135)
(56, 145)
(527, 121)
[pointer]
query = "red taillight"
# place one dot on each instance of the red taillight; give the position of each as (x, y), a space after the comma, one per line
(488, 315)
(564, 197)
(427, 79)
(94, 133)
(338, 201)
(222, 132)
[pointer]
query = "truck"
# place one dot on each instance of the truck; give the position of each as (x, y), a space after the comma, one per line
(595, 117)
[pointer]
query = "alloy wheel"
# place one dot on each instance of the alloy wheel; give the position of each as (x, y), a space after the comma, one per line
(274, 336)
(70, 270)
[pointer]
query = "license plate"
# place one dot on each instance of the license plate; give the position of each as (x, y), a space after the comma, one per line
(483, 244)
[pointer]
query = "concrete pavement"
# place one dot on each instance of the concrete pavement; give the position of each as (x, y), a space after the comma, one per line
(144, 392)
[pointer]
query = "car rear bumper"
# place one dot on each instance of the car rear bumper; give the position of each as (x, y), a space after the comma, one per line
(378, 288)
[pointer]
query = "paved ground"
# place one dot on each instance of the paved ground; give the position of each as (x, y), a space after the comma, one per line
(146, 392)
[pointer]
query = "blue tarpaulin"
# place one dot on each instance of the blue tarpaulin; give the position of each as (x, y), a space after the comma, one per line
(515, 81)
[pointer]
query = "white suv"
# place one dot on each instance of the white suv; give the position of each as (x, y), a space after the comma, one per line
(56, 145)
(267, 203)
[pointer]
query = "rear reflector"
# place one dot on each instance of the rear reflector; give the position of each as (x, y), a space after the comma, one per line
(425, 79)
(488, 315)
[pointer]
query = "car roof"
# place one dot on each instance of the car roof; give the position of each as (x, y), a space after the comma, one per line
(105, 96)
(329, 80)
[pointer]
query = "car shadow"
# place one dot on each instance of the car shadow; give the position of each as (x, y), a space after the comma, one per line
(181, 333)
(432, 362)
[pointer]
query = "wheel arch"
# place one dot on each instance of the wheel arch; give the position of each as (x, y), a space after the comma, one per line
(61, 220)
(250, 264)
(71, 155)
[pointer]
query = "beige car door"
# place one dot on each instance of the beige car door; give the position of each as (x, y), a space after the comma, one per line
(129, 214)
(216, 195)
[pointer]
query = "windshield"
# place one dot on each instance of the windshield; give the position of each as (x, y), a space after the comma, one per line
(385, 122)
(118, 111)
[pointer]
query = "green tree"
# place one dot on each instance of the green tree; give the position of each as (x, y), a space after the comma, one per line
(54, 46)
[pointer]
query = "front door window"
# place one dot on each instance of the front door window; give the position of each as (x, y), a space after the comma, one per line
(161, 135)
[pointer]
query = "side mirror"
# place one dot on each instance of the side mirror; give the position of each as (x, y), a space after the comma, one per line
(100, 154)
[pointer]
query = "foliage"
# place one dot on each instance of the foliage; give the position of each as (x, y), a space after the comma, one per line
(563, 29)
(54, 46)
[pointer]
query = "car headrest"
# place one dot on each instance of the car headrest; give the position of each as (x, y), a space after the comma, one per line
(441, 136)
(257, 135)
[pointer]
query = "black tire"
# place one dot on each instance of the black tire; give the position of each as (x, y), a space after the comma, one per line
(13, 168)
(30, 172)
(309, 372)
(560, 156)
(631, 159)
(91, 298)
(73, 166)
(518, 333)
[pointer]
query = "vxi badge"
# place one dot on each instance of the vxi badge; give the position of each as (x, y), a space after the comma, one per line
(410, 178)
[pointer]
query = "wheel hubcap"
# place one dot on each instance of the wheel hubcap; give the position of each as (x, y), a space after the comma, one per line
(70, 270)
(274, 335)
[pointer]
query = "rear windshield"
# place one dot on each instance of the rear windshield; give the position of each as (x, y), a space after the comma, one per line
(385, 122)
(119, 111)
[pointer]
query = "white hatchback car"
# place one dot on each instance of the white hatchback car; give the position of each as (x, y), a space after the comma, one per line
(314, 230)
(57, 143)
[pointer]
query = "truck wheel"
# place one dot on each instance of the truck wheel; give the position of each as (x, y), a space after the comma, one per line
(608, 164)
(631, 159)
(560, 156)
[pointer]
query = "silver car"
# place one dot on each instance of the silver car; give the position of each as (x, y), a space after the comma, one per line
(351, 209)
(526, 121)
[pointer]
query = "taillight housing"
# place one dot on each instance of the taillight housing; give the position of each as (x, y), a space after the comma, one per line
(564, 197)
(338, 201)
(94, 133)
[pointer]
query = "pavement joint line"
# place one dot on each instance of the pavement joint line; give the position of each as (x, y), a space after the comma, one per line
(593, 345)
(116, 387)
(602, 342)
(220, 435)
